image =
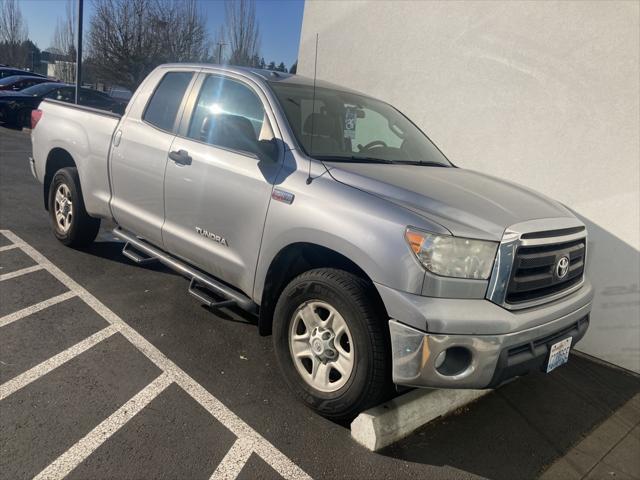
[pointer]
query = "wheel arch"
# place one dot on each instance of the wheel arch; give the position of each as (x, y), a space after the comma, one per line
(56, 159)
(291, 261)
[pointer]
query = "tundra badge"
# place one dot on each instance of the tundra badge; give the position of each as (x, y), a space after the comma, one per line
(212, 236)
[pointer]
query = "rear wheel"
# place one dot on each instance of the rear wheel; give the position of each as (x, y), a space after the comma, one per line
(332, 342)
(24, 119)
(72, 225)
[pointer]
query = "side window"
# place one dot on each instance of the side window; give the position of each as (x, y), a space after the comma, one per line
(52, 94)
(62, 94)
(229, 114)
(92, 99)
(164, 104)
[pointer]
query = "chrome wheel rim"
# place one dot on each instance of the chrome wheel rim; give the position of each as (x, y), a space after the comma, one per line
(63, 208)
(321, 346)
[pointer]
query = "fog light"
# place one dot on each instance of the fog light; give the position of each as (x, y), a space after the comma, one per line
(453, 361)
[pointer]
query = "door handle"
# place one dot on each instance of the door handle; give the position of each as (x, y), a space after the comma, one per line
(181, 157)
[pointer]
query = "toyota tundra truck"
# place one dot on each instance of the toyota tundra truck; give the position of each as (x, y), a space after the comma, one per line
(370, 257)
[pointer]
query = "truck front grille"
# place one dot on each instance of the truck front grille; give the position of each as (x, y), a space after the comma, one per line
(534, 273)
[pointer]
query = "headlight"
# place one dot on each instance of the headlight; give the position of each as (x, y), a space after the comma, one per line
(452, 256)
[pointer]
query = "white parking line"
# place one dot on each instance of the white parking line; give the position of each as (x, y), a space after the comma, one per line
(8, 247)
(17, 273)
(12, 317)
(249, 440)
(232, 463)
(73, 457)
(54, 362)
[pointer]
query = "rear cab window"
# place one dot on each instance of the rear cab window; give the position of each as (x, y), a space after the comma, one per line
(166, 100)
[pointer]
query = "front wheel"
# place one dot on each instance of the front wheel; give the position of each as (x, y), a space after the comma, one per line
(72, 225)
(331, 341)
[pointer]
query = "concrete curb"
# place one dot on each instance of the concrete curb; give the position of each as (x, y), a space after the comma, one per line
(385, 424)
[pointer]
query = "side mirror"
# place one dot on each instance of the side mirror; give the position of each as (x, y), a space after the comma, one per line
(268, 150)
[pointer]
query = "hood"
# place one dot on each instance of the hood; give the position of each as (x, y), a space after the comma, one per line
(467, 203)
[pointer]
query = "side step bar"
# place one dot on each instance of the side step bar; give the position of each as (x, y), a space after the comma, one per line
(202, 294)
(138, 258)
(201, 286)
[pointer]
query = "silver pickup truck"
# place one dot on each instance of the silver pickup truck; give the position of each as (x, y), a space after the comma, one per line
(369, 256)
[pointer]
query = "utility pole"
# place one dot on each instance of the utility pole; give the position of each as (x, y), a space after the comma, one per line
(220, 45)
(79, 52)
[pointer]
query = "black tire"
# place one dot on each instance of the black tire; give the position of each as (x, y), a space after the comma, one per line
(82, 228)
(357, 302)
(23, 119)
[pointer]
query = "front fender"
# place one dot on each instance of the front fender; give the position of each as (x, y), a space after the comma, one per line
(366, 229)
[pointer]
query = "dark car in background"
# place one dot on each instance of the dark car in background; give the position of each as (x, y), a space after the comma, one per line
(20, 82)
(15, 107)
(10, 71)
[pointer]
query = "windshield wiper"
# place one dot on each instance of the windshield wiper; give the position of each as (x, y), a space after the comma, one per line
(421, 163)
(356, 159)
(352, 159)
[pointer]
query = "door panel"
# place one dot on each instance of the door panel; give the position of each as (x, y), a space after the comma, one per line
(137, 171)
(215, 207)
(221, 194)
(139, 157)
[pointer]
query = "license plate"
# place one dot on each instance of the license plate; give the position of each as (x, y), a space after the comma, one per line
(559, 354)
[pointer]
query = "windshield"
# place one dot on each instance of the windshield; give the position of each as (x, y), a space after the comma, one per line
(39, 90)
(349, 127)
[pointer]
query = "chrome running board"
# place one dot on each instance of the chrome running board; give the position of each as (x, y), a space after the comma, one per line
(202, 286)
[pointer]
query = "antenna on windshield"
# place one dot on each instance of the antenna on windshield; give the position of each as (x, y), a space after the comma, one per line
(313, 111)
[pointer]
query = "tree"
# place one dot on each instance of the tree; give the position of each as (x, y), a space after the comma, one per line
(121, 42)
(271, 66)
(32, 55)
(13, 34)
(64, 45)
(281, 68)
(129, 38)
(262, 63)
(242, 31)
(182, 26)
(294, 67)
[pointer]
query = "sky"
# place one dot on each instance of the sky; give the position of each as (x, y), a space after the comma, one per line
(280, 23)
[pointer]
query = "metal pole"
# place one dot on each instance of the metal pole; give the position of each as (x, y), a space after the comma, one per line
(79, 52)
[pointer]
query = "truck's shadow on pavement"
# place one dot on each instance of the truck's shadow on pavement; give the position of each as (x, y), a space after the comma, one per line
(521, 428)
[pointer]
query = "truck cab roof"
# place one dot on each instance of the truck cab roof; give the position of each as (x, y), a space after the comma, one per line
(261, 75)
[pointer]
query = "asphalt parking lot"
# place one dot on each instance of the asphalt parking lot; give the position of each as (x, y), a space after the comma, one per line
(110, 370)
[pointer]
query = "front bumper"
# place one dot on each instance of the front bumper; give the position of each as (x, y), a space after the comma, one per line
(485, 360)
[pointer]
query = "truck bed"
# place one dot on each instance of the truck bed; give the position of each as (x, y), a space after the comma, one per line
(84, 134)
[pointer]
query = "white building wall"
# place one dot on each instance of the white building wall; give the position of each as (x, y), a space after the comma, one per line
(546, 94)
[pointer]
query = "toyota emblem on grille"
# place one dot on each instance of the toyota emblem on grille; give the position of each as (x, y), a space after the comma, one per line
(562, 267)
